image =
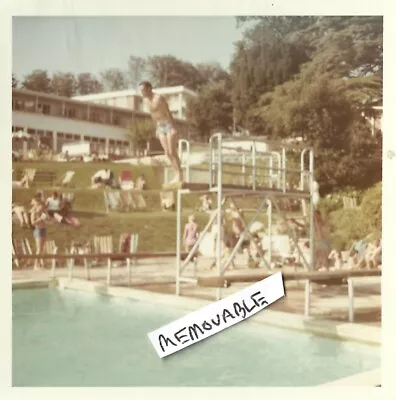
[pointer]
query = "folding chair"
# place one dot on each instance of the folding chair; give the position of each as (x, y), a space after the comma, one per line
(66, 178)
(125, 180)
(21, 246)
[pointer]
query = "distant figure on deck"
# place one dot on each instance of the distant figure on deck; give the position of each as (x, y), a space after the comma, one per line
(206, 203)
(165, 126)
(103, 177)
(191, 233)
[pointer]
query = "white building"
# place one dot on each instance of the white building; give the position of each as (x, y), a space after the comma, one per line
(57, 120)
(176, 96)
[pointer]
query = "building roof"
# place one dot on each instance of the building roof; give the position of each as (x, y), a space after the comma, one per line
(82, 102)
(133, 92)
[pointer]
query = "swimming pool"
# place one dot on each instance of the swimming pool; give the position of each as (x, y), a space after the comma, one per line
(72, 338)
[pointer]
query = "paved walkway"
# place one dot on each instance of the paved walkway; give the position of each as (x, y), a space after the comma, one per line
(328, 302)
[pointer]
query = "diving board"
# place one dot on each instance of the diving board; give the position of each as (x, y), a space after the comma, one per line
(322, 277)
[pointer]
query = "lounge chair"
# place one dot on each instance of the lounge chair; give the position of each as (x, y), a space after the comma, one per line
(66, 178)
(21, 247)
(125, 180)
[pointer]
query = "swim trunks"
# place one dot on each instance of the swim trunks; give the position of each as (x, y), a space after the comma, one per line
(163, 128)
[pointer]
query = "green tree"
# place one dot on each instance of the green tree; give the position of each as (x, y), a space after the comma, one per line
(87, 84)
(212, 110)
(168, 70)
(14, 81)
(137, 70)
(64, 84)
(114, 79)
(38, 81)
(139, 132)
(212, 72)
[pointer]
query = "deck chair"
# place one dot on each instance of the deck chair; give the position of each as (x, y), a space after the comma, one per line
(21, 246)
(127, 201)
(82, 247)
(66, 178)
(112, 200)
(125, 180)
(167, 201)
(30, 173)
(139, 200)
(104, 245)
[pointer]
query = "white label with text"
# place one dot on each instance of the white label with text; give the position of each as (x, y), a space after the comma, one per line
(217, 316)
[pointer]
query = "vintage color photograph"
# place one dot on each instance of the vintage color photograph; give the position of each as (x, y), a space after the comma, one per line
(161, 164)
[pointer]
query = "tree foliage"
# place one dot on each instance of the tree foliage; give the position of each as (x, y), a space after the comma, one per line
(114, 79)
(211, 111)
(15, 81)
(38, 81)
(88, 84)
(137, 70)
(139, 132)
(64, 84)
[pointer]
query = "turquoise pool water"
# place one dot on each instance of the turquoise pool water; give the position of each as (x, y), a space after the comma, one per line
(70, 338)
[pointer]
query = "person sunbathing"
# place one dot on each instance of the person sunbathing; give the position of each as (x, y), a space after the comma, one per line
(21, 214)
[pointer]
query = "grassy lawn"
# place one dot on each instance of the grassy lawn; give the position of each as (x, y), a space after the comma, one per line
(157, 229)
(84, 171)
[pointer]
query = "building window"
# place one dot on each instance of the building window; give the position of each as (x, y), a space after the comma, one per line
(71, 112)
(44, 108)
(30, 106)
(87, 138)
(31, 131)
(18, 105)
(69, 136)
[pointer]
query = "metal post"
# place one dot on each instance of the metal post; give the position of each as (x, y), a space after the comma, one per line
(244, 169)
(242, 237)
(178, 242)
(271, 162)
(128, 262)
(307, 298)
(109, 271)
(219, 210)
(254, 165)
(302, 168)
(180, 151)
(70, 262)
(284, 169)
(53, 268)
(86, 269)
(351, 300)
(211, 164)
(269, 216)
(312, 210)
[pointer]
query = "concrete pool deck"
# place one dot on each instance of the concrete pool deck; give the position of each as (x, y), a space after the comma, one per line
(286, 313)
(158, 276)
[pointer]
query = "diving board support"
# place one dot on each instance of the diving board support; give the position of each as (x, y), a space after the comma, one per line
(307, 301)
(308, 267)
(178, 242)
(350, 300)
(242, 236)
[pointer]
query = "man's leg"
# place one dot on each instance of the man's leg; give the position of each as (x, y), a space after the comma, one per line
(174, 157)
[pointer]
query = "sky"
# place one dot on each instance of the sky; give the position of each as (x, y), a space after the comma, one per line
(92, 44)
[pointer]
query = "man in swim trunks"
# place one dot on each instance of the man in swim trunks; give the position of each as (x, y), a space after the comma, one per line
(165, 126)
